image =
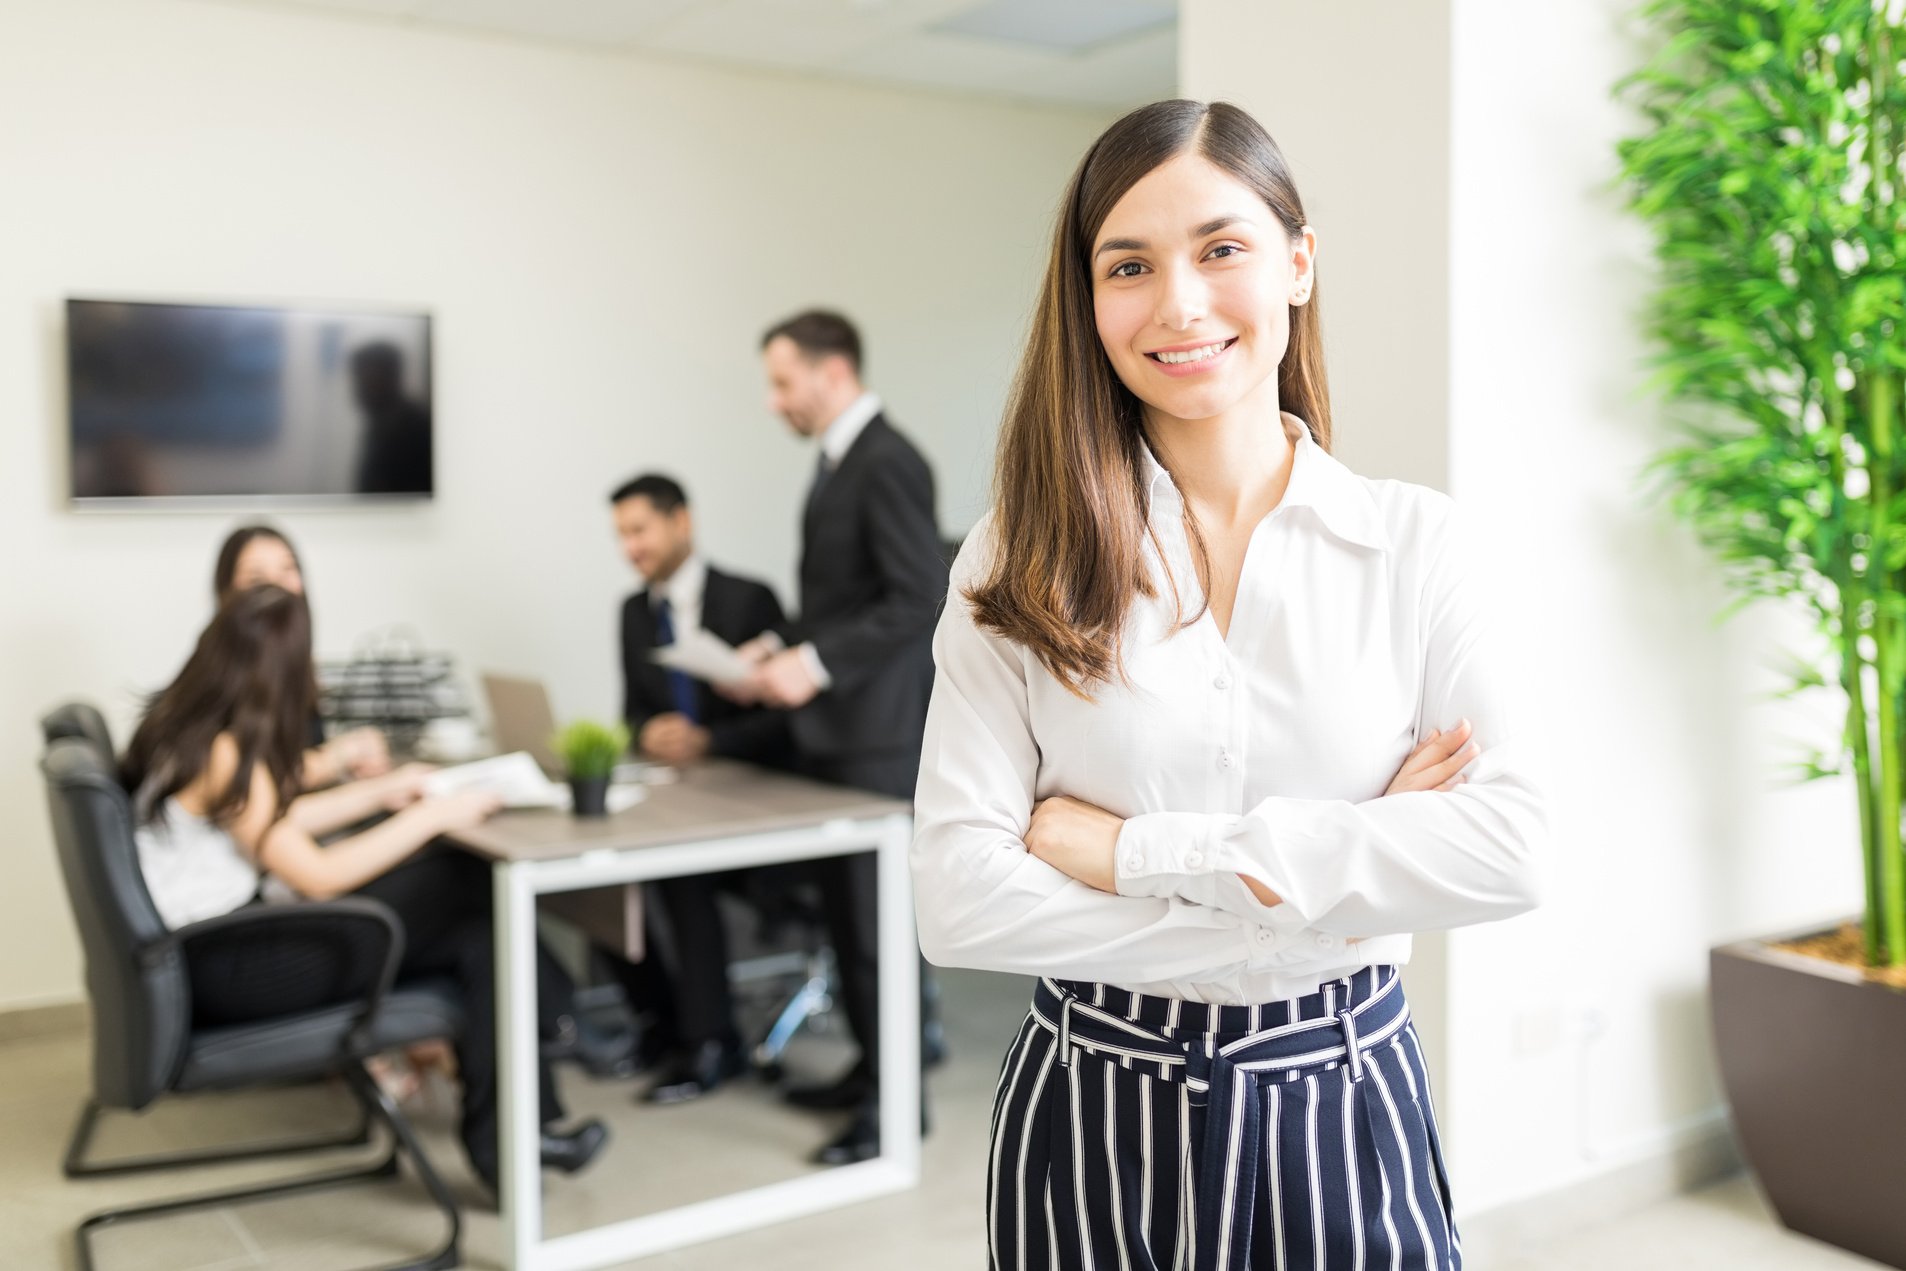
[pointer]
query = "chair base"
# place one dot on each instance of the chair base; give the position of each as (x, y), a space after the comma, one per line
(812, 1000)
(375, 1105)
(76, 1165)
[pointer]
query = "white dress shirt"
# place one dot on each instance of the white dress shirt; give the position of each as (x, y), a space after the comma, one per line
(840, 435)
(683, 591)
(1357, 628)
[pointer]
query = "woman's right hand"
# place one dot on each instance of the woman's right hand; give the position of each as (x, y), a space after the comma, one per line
(461, 809)
(1438, 763)
(404, 786)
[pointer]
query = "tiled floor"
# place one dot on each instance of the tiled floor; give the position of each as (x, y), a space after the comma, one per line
(659, 1156)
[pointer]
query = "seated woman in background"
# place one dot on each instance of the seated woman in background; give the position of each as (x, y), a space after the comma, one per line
(252, 556)
(216, 772)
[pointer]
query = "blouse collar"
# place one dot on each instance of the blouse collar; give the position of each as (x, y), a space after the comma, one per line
(1336, 496)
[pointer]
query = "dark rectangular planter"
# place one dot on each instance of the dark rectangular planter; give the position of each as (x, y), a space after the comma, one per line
(1813, 1059)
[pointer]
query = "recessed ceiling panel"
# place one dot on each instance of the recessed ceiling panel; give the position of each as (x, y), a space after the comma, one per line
(1070, 26)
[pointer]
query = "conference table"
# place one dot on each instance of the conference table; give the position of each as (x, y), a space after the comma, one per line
(712, 816)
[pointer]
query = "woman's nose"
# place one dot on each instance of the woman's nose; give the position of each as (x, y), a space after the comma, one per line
(1181, 298)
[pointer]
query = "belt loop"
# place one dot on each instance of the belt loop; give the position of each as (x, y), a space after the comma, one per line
(1065, 1030)
(1348, 1021)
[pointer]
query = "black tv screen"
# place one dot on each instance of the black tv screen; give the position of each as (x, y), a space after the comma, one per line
(215, 403)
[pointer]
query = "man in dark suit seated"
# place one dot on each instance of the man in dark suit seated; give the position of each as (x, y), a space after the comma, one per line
(678, 720)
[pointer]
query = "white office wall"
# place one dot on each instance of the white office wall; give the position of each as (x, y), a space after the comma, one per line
(601, 237)
(1576, 1040)
(1678, 827)
(1357, 98)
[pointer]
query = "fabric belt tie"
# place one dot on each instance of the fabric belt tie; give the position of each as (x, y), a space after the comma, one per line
(1228, 1082)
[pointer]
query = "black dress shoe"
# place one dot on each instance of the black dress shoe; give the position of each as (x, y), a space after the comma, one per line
(572, 1150)
(655, 1044)
(860, 1141)
(567, 1151)
(849, 1092)
(693, 1074)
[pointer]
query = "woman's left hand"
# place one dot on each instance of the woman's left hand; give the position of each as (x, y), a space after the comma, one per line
(360, 753)
(1076, 838)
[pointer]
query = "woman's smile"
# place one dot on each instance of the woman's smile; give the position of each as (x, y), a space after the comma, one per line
(1193, 359)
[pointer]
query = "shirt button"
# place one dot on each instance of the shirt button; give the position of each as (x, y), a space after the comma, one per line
(1224, 759)
(1134, 862)
(1221, 683)
(1327, 941)
(1263, 936)
(1194, 858)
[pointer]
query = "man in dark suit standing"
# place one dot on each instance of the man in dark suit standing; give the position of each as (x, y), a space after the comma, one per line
(857, 668)
(678, 720)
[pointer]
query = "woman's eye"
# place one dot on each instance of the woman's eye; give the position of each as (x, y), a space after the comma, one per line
(1130, 269)
(1228, 249)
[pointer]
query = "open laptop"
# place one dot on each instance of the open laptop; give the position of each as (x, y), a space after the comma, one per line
(521, 719)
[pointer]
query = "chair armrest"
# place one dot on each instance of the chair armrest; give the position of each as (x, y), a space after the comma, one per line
(358, 927)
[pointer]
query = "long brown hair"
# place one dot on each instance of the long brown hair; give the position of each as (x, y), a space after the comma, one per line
(1070, 504)
(251, 677)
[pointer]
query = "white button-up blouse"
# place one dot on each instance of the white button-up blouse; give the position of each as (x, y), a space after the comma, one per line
(1265, 752)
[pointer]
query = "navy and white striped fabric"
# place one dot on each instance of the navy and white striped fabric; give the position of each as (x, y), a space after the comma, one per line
(1136, 1133)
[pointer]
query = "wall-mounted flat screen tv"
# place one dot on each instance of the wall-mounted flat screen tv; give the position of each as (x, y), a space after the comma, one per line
(192, 404)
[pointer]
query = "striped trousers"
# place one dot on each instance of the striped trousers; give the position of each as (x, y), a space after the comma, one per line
(1136, 1133)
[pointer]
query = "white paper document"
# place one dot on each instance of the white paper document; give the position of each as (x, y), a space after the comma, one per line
(520, 783)
(704, 656)
(514, 778)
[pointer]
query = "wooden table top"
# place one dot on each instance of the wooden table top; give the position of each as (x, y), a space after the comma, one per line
(718, 798)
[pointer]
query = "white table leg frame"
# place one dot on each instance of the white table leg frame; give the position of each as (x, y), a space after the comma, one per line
(895, 1169)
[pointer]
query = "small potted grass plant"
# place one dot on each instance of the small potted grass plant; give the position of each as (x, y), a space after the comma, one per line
(1771, 174)
(590, 752)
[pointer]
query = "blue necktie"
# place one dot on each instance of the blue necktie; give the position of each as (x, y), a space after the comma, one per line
(679, 683)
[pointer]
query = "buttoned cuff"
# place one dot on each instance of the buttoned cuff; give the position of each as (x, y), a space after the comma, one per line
(1185, 855)
(772, 641)
(1158, 851)
(812, 658)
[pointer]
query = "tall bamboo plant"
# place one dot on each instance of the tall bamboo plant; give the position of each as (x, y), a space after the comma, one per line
(1771, 176)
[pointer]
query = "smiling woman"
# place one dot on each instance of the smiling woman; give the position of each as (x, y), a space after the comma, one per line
(1215, 728)
(1182, 237)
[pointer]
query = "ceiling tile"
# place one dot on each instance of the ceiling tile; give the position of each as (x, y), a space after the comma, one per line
(948, 61)
(353, 8)
(894, 42)
(1068, 26)
(1128, 73)
(581, 21)
(886, 15)
(791, 33)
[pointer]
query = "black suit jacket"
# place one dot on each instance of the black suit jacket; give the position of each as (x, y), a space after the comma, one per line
(736, 609)
(872, 583)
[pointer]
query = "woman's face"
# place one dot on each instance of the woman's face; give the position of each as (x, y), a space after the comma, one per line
(1192, 279)
(267, 560)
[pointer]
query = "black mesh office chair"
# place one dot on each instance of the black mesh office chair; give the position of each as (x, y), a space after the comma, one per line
(138, 977)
